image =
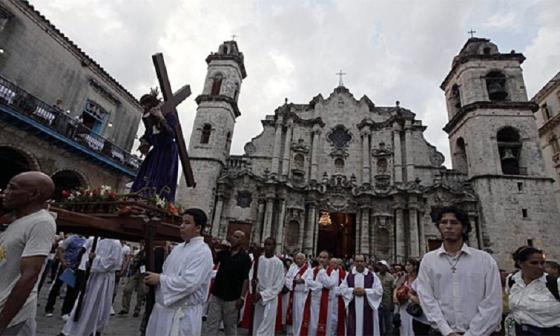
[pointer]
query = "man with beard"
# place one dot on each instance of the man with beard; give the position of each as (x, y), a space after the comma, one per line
(362, 292)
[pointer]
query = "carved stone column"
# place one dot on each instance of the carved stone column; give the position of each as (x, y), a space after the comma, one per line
(398, 156)
(217, 216)
(315, 152)
(357, 241)
(422, 233)
(414, 239)
(409, 144)
(364, 242)
(281, 226)
(366, 170)
(301, 232)
(267, 227)
(310, 230)
(277, 145)
(258, 228)
(287, 149)
(473, 235)
(400, 252)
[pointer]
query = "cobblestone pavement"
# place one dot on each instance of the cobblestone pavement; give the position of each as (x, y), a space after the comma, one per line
(118, 325)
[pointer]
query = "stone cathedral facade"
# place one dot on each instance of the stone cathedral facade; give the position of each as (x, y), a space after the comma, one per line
(343, 174)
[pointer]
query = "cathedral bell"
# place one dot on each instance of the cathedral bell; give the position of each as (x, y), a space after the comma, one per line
(496, 91)
(508, 155)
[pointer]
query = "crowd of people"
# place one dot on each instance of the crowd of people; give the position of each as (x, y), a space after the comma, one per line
(204, 286)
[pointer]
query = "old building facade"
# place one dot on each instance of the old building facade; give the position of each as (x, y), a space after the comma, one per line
(343, 174)
(60, 111)
(548, 123)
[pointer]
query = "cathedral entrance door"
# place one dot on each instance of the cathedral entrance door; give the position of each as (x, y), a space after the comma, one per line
(337, 233)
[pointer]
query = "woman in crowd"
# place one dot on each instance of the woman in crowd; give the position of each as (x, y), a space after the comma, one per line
(401, 295)
(533, 295)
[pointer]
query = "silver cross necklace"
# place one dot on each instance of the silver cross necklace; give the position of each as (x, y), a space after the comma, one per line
(453, 264)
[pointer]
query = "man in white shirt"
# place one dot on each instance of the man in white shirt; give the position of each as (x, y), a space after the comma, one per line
(362, 292)
(182, 287)
(459, 287)
(270, 280)
(23, 248)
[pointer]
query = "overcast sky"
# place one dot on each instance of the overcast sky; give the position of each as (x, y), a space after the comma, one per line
(390, 50)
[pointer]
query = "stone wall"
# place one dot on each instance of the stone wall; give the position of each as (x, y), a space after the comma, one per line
(39, 59)
(52, 158)
(502, 208)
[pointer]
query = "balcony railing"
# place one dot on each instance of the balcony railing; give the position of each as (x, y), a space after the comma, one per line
(69, 127)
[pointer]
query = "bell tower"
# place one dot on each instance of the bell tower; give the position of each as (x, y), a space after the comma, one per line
(493, 139)
(210, 142)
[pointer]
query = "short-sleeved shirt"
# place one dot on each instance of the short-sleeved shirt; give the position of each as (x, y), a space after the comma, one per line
(125, 252)
(28, 236)
(232, 272)
(72, 246)
(388, 284)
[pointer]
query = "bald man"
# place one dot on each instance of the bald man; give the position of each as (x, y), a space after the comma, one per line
(23, 248)
(230, 286)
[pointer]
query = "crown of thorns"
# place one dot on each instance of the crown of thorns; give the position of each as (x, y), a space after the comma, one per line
(150, 97)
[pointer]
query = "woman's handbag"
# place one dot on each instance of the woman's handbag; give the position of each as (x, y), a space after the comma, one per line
(414, 309)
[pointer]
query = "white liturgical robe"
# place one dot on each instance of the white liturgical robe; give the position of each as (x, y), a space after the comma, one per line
(372, 298)
(270, 276)
(182, 291)
(96, 307)
(316, 285)
(299, 293)
(334, 293)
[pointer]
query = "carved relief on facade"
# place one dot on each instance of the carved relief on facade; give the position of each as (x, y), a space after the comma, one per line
(244, 199)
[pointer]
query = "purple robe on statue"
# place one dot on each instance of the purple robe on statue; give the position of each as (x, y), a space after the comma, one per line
(158, 172)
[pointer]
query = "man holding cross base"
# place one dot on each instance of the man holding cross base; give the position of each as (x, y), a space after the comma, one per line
(182, 287)
(459, 287)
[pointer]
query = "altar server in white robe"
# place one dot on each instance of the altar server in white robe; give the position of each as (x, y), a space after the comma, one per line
(362, 293)
(315, 312)
(269, 283)
(182, 287)
(98, 297)
(295, 282)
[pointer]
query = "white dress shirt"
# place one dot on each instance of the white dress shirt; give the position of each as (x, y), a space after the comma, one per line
(533, 304)
(467, 300)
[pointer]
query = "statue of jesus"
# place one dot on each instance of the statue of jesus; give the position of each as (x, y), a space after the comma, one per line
(158, 172)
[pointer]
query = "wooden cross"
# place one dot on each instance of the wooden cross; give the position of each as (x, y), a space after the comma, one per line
(170, 102)
(471, 32)
(340, 74)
